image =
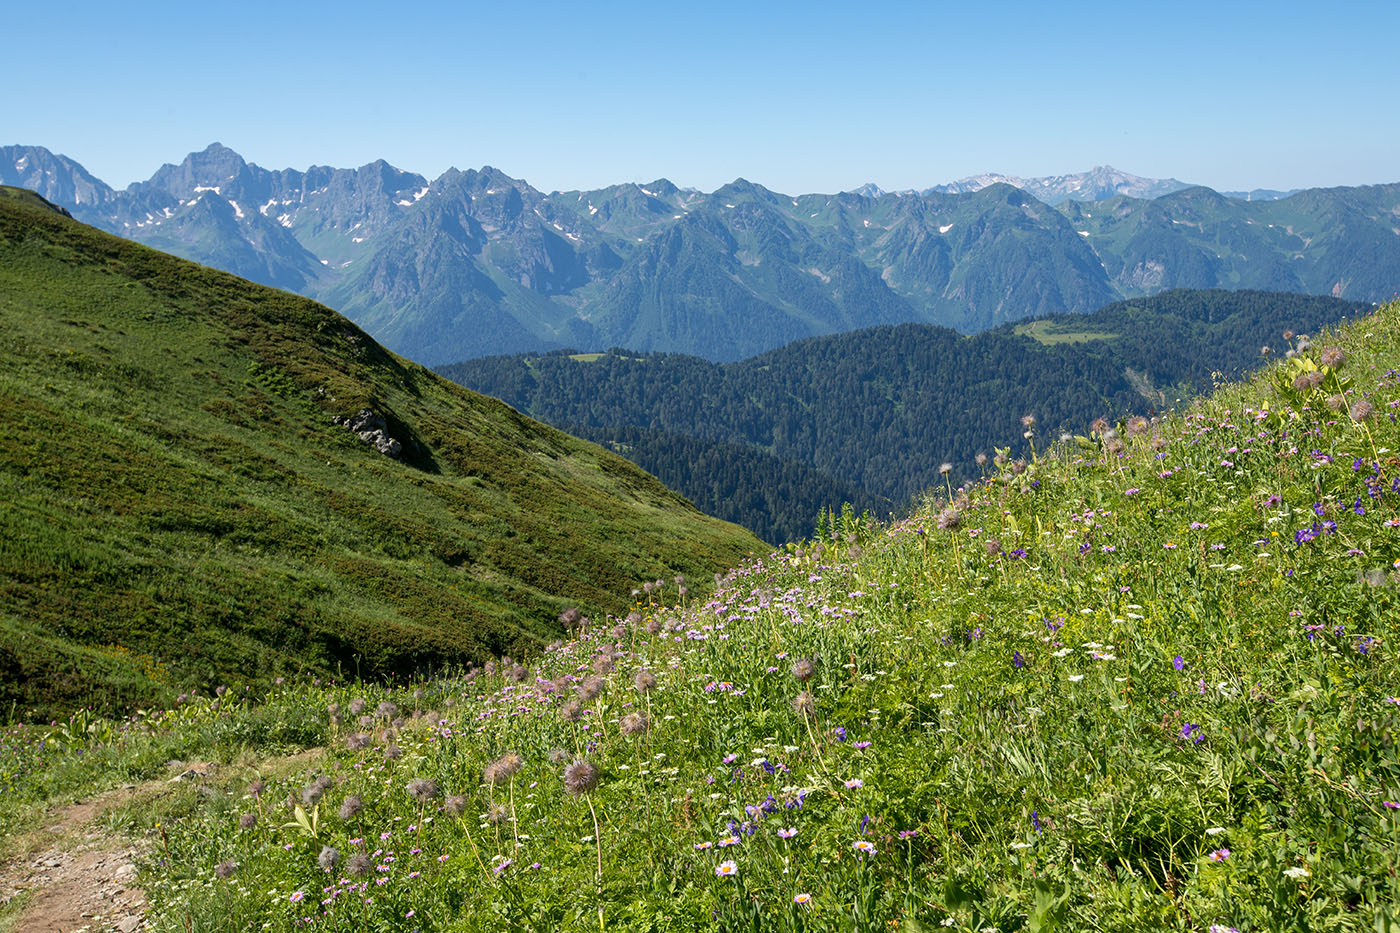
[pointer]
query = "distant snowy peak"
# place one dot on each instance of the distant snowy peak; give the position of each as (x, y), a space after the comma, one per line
(1103, 181)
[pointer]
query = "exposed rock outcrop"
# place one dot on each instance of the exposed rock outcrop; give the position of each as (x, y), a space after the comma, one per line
(372, 429)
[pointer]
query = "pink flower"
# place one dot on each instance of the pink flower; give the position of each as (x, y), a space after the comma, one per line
(1220, 855)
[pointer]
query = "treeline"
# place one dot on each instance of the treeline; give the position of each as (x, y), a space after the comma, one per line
(872, 414)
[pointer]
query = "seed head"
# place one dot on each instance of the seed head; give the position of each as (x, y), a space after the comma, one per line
(248, 820)
(356, 740)
(645, 681)
(360, 864)
(455, 805)
(1333, 357)
(571, 711)
(423, 789)
(351, 806)
(1362, 410)
(602, 664)
(803, 669)
(1028, 421)
(503, 768)
(993, 547)
(497, 813)
(1099, 425)
(393, 753)
(386, 710)
(580, 777)
(1337, 402)
(949, 519)
(1137, 426)
(588, 690)
(633, 724)
(981, 459)
(329, 858)
(804, 704)
(225, 869)
(311, 794)
(944, 469)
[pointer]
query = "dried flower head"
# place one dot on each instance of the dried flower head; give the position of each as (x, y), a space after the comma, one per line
(589, 690)
(945, 468)
(992, 546)
(981, 459)
(949, 519)
(517, 673)
(645, 681)
(393, 753)
(602, 664)
(257, 787)
(803, 669)
(455, 805)
(386, 710)
(1137, 426)
(1099, 425)
(329, 858)
(503, 768)
(351, 806)
(557, 756)
(311, 794)
(1337, 402)
(360, 864)
(356, 741)
(653, 626)
(248, 820)
(634, 618)
(633, 724)
(1028, 421)
(423, 789)
(804, 704)
(1362, 410)
(571, 711)
(580, 777)
(497, 813)
(225, 869)
(570, 618)
(1333, 357)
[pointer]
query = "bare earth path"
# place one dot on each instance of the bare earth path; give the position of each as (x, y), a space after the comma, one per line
(81, 878)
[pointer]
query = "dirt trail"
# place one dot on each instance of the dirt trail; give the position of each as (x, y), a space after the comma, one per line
(80, 878)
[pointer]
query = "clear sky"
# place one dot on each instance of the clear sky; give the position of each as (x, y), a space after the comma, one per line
(798, 96)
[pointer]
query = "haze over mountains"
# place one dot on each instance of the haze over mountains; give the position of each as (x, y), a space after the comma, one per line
(477, 262)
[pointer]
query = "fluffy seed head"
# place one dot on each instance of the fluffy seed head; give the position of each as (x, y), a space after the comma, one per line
(803, 669)
(633, 724)
(351, 806)
(589, 690)
(503, 768)
(949, 519)
(455, 805)
(1362, 410)
(571, 711)
(423, 789)
(944, 469)
(1337, 402)
(981, 459)
(804, 704)
(602, 664)
(1333, 357)
(360, 864)
(248, 820)
(580, 777)
(225, 869)
(557, 756)
(356, 740)
(329, 858)
(645, 681)
(497, 813)
(1137, 426)
(1099, 425)
(393, 753)
(386, 710)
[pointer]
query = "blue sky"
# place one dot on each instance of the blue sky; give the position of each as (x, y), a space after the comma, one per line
(799, 97)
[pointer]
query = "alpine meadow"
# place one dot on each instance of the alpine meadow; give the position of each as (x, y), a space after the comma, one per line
(1141, 676)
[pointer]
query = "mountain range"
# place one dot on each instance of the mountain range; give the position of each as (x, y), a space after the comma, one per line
(476, 262)
(1097, 184)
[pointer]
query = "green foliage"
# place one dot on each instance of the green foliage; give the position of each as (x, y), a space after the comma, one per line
(869, 417)
(181, 511)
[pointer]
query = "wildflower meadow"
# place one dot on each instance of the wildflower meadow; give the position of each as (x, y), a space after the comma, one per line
(1143, 679)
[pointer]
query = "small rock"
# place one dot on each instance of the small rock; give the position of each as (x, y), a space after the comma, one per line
(128, 924)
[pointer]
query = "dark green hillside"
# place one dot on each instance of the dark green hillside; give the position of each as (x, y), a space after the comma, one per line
(180, 509)
(876, 412)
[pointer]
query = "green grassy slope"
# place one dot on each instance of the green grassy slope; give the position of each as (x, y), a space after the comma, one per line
(179, 505)
(1144, 681)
